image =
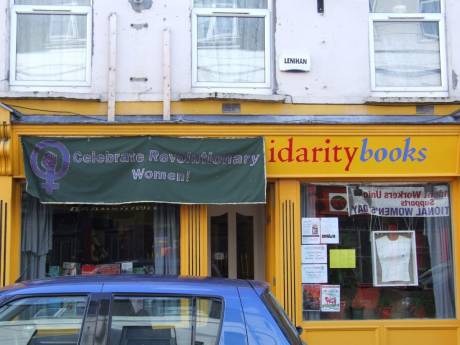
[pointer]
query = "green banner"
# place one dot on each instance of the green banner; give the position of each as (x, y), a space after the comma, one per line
(115, 170)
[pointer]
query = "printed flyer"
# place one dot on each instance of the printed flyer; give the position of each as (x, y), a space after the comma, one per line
(330, 298)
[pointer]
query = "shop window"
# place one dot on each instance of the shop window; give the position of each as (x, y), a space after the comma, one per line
(231, 44)
(50, 42)
(407, 45)
(98, 239)
(377, 251)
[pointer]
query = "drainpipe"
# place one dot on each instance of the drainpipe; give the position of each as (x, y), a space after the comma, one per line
(166, 74)
(112, 73)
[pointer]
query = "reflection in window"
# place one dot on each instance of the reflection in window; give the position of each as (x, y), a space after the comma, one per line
(42, 320)
(412, 217)
(165, 320)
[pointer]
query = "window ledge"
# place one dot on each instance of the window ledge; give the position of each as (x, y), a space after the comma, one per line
(234, 96)
(408, 97)
(51, 94)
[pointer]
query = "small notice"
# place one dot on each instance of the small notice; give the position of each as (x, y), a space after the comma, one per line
(311, 230)
(312, 297)
(330, 298)
(314, 254)
(342, 258)
(314, 273)
(329, 230)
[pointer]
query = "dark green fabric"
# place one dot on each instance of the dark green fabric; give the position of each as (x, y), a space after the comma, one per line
(116, 170)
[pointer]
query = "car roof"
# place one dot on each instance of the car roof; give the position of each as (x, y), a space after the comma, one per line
(130, 283)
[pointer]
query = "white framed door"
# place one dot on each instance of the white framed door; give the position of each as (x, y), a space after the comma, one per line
(237, 241)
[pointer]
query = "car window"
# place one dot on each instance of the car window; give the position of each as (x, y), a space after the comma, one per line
(42, 320)
(165, 320)
(288, 329)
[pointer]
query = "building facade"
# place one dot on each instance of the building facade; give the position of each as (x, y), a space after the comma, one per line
(122, 148)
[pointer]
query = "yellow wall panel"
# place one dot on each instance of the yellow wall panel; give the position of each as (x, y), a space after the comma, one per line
(421, 336)
(343, 337)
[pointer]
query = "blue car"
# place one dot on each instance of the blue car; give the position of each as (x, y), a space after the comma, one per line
(142, 310)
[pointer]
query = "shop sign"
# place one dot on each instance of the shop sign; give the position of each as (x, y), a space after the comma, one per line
(115, 170)
(372, 155)
(398, 201)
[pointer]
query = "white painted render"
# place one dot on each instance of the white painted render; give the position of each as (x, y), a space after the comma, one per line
(337, 43)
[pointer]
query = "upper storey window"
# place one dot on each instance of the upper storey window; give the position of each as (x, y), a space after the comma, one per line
(231, 43)
(407, 45)
(50, 42)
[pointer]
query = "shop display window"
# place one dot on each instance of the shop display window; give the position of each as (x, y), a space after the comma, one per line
(377, 251)
(98, 239)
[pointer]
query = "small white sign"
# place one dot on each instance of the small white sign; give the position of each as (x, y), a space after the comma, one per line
(330, 230)
(314, 273)
(311, 230)
(295, 63)
(314, 254)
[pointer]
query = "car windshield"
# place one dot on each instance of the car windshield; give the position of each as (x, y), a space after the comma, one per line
(288, 329)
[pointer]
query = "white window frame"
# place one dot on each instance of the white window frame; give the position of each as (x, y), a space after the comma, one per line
(410, 17)
(49, 9)
(232, 12)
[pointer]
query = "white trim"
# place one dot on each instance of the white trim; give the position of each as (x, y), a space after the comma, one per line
(231, 12)
(443, 89)
(50, 10)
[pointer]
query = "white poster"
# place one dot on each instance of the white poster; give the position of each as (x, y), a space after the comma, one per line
(399, 201)
(311, 230)
(314, 273)
(330, 298)
(329, 230)
(314, 254)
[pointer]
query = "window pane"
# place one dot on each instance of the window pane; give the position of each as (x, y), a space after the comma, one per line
(407, 54)
(219, 246)
(231, 49)
(42, 320)
(51, 47)
(98, 239)
(208, 318)
(393, 258)
(231, 3)
(54, 2)
(405, 6)
(151, 320)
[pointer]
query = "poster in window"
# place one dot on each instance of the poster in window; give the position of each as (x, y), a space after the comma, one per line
(311, 297)
(330, 298)
(314, 273)
(394, 260)
(314, 254)
(311, 230)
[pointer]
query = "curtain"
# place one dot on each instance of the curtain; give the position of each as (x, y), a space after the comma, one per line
(166, 239)
(36, 239)
(438, 232)
(54, 2)
(51, 47)
(231, 49)
(231, 3)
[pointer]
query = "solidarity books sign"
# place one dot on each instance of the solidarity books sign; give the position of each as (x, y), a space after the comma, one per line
(114, 170)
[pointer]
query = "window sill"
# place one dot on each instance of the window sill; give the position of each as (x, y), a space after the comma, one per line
(234, 96)
(51, 94)
(408, 97)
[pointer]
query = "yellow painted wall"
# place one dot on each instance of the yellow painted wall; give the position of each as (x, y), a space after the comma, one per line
(213, 107)
(442, 165)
